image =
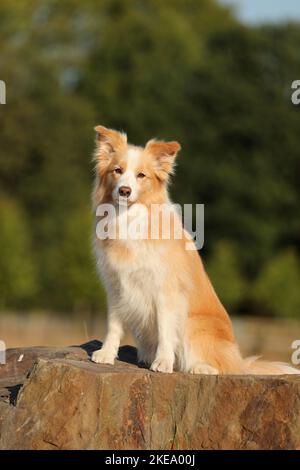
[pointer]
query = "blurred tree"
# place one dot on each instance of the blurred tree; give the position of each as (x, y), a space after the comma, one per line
(277, 288)
(226, 275)
(75, 267)
(140, 70)
(18, 281)
(239, 171)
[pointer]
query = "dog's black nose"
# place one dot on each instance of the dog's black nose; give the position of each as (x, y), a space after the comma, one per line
(124, 191)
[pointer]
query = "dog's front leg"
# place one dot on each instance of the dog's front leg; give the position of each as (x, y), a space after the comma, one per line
(109, 350)
(167, 334)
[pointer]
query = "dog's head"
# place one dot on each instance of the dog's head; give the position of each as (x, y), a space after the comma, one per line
(126, 174)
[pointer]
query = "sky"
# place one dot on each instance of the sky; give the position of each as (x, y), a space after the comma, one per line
(258, 11)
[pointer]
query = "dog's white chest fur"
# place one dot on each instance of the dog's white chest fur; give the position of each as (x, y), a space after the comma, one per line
(132, 287)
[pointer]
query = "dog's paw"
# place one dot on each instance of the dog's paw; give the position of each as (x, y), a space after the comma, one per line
(202, 368)
(103, 357)
(161, 364)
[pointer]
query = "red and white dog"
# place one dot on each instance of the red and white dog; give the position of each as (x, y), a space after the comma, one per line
(157, 288)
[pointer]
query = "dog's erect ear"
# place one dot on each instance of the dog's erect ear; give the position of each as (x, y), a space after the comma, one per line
(108, 141)
(164, 154)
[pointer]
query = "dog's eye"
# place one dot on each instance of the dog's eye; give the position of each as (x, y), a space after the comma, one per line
(141, 175)
(118, 171)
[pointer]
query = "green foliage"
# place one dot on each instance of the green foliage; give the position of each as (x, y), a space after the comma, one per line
(225, 273)
(18, 282)
(175, 70)
(75, 268)
(277, 287)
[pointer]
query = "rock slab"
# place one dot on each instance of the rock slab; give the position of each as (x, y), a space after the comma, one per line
(58, 399)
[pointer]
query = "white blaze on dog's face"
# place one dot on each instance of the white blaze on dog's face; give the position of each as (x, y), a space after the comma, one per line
(126, 173)
(128, 182)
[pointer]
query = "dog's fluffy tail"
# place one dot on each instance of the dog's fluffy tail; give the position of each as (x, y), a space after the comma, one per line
(254, 365)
